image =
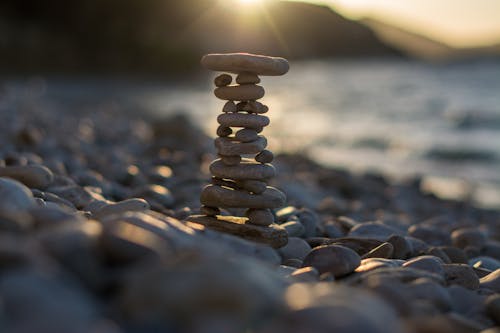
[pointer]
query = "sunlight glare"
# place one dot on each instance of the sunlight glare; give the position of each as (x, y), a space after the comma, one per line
(249, 2)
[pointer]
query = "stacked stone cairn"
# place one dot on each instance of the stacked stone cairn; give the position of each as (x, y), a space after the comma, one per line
(241, 173)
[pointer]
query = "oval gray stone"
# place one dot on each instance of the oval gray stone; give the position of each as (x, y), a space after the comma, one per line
(374, 230)
(245, 63)
(264, 156)
(296, 248)
(334, 259)
(262, 217)
(359, 245)
(427, 263)
(252, 107)
(128, 205)
(293, 228)
(244, 170)
(462, 275)
(36, 176)
(403, 274)
(216, 196)
(15, 198)
(246, 135)
(247, 92)
(230, 147)
(254, 121)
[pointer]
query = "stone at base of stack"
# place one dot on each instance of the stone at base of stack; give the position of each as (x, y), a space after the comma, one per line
(238, 181)
(273, 235)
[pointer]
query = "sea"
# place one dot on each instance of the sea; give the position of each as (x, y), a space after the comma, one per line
(399, 118)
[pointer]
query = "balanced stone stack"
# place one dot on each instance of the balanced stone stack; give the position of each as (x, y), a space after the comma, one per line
(241, 173)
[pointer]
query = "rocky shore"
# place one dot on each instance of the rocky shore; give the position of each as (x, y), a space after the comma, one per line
(93, 238)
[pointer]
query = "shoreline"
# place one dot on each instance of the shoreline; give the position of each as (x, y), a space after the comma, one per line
(468, 172)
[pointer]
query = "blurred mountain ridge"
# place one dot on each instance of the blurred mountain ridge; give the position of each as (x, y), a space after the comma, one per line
(422, 47)
(162, 36)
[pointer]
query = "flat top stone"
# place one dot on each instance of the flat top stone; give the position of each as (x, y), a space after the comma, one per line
(245, 62)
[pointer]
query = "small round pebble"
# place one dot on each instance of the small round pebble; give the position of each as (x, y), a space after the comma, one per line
(262, 217)
(264, 156)
(254, 186)
(223, 80)
(296, 248)
(246, 135)
(247, 78)
(15, 198)
(229, 107)
(224, 131)
(252, 107)
(293, 228)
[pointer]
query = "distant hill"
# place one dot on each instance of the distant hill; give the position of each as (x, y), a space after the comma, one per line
(422, 47)
(291, 29)
(161, 36)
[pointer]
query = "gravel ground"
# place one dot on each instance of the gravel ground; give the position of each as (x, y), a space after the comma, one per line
(94, 238)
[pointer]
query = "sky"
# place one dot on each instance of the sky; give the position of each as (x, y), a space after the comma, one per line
(459, 23)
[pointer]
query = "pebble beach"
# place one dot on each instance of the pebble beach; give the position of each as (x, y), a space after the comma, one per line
(94, 237)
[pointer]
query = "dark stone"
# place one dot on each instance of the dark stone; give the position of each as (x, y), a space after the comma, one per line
(338, 260)
(462, 275)
(273, 235)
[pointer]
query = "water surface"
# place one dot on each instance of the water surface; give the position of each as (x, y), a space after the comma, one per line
(398, 118)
